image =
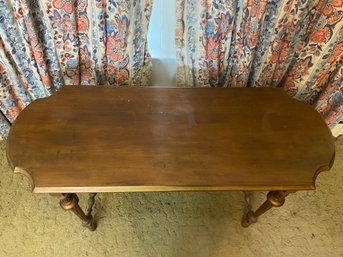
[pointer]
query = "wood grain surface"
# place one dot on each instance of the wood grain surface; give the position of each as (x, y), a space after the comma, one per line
(106, 139)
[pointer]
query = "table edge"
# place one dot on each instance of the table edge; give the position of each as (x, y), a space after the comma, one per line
(166, 188)
(145, 189)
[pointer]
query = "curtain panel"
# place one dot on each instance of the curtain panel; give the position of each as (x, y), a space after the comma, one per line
(294, 44)
(45, 44)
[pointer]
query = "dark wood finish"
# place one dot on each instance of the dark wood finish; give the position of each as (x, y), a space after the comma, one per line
(274, 199)
(70, 202)
(105, 139)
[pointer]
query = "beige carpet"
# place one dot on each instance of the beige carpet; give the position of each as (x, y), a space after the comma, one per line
(173, 224)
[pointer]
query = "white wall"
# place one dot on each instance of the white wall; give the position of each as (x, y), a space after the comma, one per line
(161, 42)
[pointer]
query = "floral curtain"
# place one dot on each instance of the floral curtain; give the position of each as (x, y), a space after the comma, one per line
(48, 43)
(294, 44)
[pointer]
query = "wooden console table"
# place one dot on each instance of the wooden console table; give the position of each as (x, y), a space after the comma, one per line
(106, 139)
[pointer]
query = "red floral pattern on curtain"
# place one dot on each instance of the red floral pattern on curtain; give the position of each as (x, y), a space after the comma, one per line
(292, 44)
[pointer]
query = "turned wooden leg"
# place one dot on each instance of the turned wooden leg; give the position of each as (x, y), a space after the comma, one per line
(91, 202)
(70, 202)
(274, 199)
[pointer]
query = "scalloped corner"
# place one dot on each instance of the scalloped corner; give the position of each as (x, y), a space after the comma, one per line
(325, 167)
(320, 170)
(18, 170)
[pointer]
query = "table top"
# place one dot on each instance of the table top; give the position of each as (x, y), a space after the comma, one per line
(119, 139)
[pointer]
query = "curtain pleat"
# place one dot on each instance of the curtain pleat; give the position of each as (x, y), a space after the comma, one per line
(294, 44)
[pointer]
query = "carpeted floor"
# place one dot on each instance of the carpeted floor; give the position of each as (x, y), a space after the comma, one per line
(172, 224)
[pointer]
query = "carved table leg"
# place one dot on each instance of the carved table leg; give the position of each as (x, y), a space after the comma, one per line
(70, 202)
(274, 199)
